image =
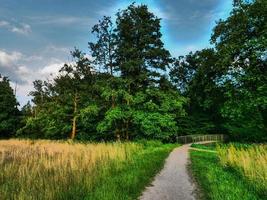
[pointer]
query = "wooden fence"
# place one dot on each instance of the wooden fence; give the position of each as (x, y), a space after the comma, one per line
(200, 138)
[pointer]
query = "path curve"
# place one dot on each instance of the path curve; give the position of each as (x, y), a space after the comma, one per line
(173, 182)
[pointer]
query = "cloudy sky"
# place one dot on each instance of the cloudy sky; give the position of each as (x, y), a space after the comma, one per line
(36, 36)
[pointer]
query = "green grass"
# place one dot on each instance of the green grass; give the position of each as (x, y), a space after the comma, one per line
(217, 182)
(61, 170)
(129, 181)
(208, 146)
(249, 162)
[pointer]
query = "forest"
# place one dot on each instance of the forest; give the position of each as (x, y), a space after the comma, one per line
(132, 88)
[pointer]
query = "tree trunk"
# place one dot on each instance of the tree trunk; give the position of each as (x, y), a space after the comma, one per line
(110, 58)
(128, 120)
(117, 135)
(73, 131)
(127, 130)
(117, 131)
(113, 101)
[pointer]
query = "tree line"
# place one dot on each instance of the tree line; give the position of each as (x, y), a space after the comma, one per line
(133, 88)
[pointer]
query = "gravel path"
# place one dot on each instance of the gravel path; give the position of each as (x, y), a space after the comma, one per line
(173, 182)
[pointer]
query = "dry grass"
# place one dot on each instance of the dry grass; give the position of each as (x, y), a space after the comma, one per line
(250, 162)
(53, 170)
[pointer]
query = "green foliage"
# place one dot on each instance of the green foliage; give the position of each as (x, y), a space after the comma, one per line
(227, 85)
(241, 41)
(9, 114)
(103, 50)
(88, 118)
(155, 125)
(195, 76)
(140, 53)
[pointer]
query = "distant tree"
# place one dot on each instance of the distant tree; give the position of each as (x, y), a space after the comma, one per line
(9, 114)
(27, 110)
(195, 75)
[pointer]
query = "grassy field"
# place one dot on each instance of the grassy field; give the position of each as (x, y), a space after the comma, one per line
(233, 173)
(62, 170)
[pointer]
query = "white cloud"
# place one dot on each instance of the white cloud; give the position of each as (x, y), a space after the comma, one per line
(62, 20)
(161, 14)
(22, 92)
(24, 29)
(22, 70)
(54, 48)
(32, 58)
(7, 59)
(51, 69)
(3, 23)
(20, 28)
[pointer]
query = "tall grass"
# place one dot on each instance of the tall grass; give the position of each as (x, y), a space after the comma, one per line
(217, 182)
(62, 170)
(250, 162)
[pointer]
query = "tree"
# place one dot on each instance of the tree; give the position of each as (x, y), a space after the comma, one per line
(9, 114)
(241, 44)
(59, 102)
(103, 50)
(140, 53)
(140, 59)
(195, 75)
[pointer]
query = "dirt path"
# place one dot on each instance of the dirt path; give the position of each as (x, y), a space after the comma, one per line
(173, 182)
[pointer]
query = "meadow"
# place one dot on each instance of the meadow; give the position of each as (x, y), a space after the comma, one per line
(233, 172)
(42, 169)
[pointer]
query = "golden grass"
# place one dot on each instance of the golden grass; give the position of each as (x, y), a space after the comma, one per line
(250, 161)
(49, 170)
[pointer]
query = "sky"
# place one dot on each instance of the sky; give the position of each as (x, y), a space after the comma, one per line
(36, 36)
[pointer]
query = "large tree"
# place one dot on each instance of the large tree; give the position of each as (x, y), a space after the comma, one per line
(136, 96)
(8, 109)
(241, 42)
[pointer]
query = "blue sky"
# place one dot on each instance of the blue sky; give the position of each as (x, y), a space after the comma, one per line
(37, 35)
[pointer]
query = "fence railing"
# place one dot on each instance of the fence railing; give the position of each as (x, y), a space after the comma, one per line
(200, 138)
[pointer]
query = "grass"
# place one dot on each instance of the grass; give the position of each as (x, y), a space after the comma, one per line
(250, 162)
(218, 181)
(62, 170)
(208, 146)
